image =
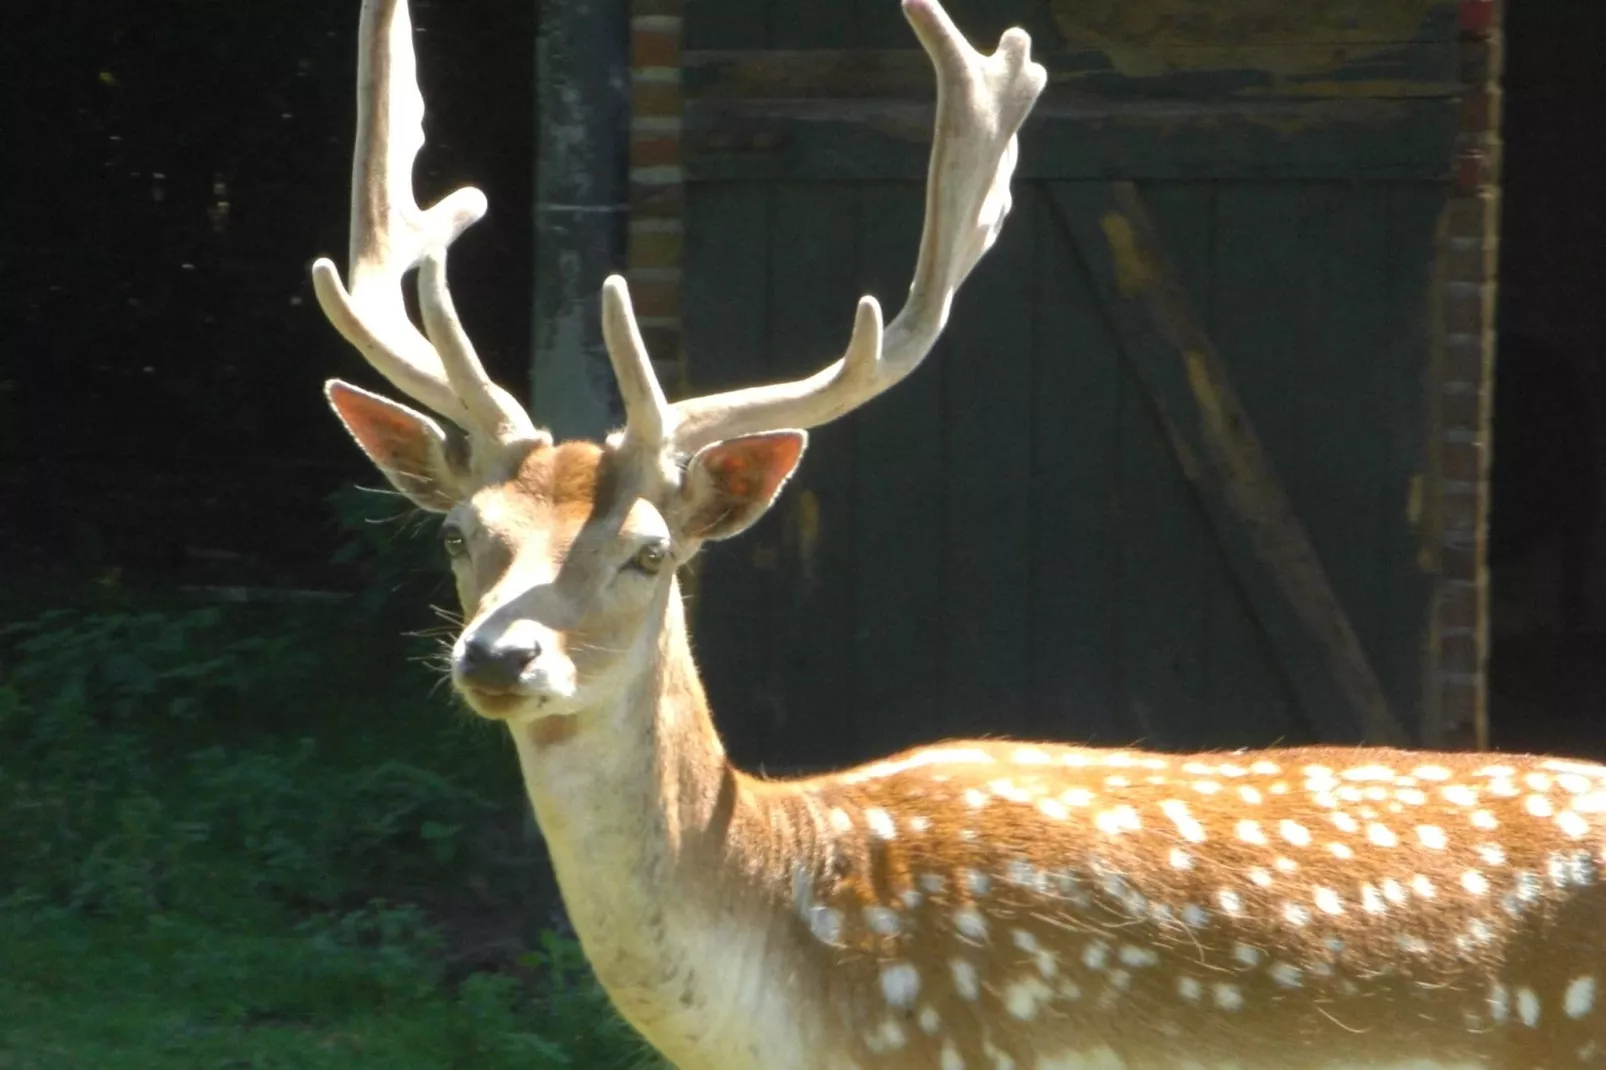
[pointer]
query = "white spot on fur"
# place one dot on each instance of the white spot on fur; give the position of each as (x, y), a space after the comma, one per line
(1294, 833)
(900, 984)
(1286, 975)
(970, 923)
(930, 1020)
(1231, 902)
(882, 920)
(840, 820)
(1249, 832)
(1187, 826)
(1572, 824)
(950, 1058)
(1381, 835)
(1432, 837)
(1579, 997)
(1474, 882)
(1180, 859)
(1528, 1006)
(1538, 806)
(1189, 988)
(965, 982)
(1483, 819)
(1328, 901)
(1229, 997)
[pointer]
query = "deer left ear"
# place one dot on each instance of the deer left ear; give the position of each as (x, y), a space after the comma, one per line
(729, 485)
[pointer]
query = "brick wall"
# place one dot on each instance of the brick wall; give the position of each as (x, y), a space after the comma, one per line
(657, 184)
(1456, 714)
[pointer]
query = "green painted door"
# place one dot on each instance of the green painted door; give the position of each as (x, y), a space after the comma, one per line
(1158, 480)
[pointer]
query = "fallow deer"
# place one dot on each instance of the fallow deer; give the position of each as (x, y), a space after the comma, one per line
(968, 905)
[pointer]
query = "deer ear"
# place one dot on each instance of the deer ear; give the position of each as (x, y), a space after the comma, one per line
(729, 485)
(424, 462)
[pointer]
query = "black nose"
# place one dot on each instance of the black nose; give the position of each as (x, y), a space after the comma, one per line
(495, 664)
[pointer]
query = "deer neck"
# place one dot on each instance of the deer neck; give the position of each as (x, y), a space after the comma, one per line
(646, 822)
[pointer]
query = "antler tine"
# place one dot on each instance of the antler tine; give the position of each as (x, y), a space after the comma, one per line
(391, 235)
(981, 103)
(647, 413)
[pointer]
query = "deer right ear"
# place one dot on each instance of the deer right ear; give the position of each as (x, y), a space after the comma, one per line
(730, 484)
(421, 460)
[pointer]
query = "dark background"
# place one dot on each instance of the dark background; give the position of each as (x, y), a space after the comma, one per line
(177, 165)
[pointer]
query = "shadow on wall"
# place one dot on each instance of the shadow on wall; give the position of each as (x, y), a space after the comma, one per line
(1547, 665)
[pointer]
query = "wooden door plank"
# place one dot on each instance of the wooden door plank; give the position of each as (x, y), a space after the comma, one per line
(899, 611)
(1301, 272)
(1074, 593)
(1219, 452)
(727, 24)
(865, 140)
(987, 396)
(1413, 211)
(1164, 544)
(726, 337)
(813, 251)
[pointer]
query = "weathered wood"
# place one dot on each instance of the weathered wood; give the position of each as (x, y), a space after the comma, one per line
(1075, 592)
(812, 248)
(1322, 71)
(986, 377)
(1218, 449)
(726, 339)
(582, 56)
(836, 140)
(899, 610)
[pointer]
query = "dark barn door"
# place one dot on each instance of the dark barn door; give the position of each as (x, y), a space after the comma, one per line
(1160, 480)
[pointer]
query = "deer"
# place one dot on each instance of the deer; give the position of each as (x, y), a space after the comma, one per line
(982, 904)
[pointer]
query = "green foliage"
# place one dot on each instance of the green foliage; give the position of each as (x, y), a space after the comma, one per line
(170, 831)
(395, 543)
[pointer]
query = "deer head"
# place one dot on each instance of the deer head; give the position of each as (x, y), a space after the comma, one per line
(565, 554)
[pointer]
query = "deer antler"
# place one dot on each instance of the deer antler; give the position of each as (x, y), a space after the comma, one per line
(391, 235)
(981, 103)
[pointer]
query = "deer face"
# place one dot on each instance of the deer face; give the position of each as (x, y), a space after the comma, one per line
(564, 556)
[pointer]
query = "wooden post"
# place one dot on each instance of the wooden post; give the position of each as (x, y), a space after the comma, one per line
(581, 207)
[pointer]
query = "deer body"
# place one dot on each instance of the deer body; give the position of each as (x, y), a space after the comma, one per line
(968, 906)
(999, 904)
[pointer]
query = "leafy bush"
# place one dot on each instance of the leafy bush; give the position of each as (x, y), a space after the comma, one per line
(260, 876)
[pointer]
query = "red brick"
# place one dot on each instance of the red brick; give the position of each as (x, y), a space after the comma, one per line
(655, 297)
(1460, 562)
(1460, 607)
(1468, 216)
(1464, 359)
(1460, 654)
(655, 249)
(1470, 260)
(1461, 461)
(1460, 711)
(652, 47)
(655, 150)
(655, 98)
(1462, 410)
(1468, 308)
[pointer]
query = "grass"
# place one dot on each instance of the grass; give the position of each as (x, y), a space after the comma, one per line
(250, 837)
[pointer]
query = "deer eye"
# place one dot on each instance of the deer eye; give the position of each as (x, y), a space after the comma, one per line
(454, 542)
(650, 559)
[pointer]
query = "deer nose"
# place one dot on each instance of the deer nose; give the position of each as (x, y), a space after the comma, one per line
(496, 663)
